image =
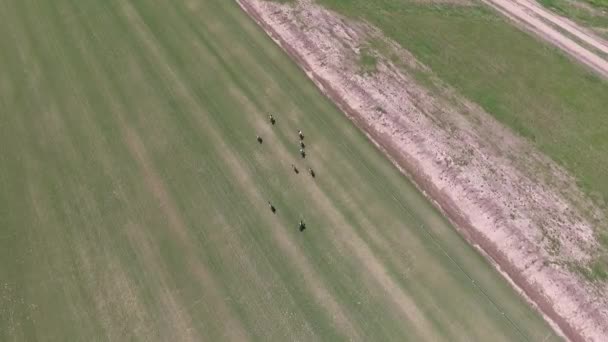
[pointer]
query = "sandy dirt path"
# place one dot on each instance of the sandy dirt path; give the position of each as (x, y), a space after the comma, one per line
(542, 22)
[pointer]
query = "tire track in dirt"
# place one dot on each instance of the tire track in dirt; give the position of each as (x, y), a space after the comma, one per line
(531, 20)
(566, 24)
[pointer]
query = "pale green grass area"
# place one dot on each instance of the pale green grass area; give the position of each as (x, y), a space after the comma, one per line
(133, 194)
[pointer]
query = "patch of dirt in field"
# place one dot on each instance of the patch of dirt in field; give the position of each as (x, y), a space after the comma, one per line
(520, 208)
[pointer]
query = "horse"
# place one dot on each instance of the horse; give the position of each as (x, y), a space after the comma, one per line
(295, 169)
(272, 208)
(301, 135)
(303, 153)
(302, 226)
(259, 139)
(312, 172)
(271, 119)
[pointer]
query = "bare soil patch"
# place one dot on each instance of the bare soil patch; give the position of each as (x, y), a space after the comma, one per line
(517, 206)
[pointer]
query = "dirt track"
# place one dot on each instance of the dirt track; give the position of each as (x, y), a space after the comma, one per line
(544, 23)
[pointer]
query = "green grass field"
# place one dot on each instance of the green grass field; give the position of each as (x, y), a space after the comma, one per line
(133, 195)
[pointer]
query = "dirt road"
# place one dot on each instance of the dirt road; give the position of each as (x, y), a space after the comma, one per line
(557, 30)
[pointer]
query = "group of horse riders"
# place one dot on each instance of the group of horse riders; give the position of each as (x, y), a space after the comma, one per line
(272, 120)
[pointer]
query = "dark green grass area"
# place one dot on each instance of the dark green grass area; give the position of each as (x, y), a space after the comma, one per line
(526, 84)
